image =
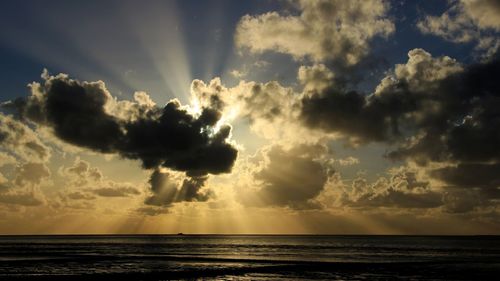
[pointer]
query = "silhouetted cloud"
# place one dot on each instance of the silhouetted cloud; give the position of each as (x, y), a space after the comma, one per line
(430, 110)
(470, 175)
(433, 108)
(86, 115)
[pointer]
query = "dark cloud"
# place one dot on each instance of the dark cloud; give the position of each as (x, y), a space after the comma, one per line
(289, 177)
(345, 112)
(462, 200)
(166, 189)
(428, 110)
(431, 108)
(86, 115)
(458, 199)
(470, 175)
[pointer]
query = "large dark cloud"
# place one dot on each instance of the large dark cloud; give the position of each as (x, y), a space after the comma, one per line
(86, 115)
(345, 112)
(470, 175)
(431, 108)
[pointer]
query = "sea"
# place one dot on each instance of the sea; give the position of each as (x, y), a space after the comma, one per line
(249, 257)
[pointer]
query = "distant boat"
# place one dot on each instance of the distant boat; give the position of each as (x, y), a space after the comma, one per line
(180, 233)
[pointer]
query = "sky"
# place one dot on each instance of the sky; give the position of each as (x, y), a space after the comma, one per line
(263, 117)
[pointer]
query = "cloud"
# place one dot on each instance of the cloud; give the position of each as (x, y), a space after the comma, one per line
(422, 72)
(28, 197)
(470, 200)
(20, 140)
(22, 187)
(3, 182)
(404, 188)
(378, 117)
(115, 191)
(152, 211)
(469, 175)
(167, 188)
(82, 168)
(315, 78)
(270, 108)
(92, 183)
(78, 195)
(348, 161)
(6, 159)
(31, 173)
(81, 173)
(467, 21)
(324, 30)
(85, 114)
(290, 177)
(453, 118)
(433, 109)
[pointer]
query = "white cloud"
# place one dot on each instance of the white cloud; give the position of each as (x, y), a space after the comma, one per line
(467, 21)
(324, 30)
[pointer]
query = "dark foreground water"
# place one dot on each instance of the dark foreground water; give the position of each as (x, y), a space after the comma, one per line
(253, 257)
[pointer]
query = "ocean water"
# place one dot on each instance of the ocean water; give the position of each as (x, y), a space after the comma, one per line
(249, 257)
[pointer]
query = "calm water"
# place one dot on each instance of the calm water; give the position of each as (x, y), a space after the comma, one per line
(226, 257)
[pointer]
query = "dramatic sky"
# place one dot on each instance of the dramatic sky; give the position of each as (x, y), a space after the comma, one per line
(292, 116)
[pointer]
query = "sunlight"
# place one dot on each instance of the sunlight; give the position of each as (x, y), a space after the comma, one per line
(160, 33)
